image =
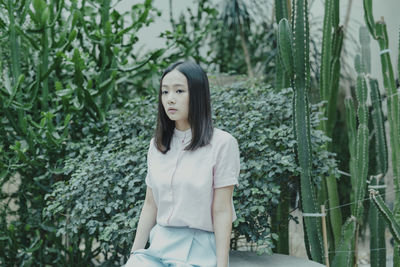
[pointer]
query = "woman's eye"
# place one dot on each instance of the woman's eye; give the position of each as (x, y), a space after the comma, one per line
(164, 92)
(179, 91)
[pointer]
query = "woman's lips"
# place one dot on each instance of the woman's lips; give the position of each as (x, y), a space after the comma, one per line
(172, 110)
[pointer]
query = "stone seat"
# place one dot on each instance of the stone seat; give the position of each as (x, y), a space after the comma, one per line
(251, 259)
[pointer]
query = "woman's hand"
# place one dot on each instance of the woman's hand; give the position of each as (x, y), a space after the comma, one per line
(222, 221)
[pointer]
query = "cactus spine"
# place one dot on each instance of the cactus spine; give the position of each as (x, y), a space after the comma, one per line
(379, 33)
(299, 72)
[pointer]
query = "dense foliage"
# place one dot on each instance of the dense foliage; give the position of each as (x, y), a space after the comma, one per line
(102, 199)
(63, 66)
(261, 120)
(77, 109)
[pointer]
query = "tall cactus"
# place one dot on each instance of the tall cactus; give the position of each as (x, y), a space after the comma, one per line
(358, 147)
(332, 40)
(376, 223)
(299, 72)
(361, 170)
(280, 221)
(378, 32)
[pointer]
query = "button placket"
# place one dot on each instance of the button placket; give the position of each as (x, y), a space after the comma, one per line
(171, 190)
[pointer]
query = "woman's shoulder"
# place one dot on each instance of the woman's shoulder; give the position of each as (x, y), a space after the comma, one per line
(221, 136)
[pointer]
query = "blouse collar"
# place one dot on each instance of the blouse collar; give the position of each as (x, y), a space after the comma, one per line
(183, 136)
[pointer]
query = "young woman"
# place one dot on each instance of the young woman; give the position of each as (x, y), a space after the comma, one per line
(191, 172)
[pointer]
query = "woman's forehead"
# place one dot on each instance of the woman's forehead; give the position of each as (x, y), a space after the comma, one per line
(174, 78)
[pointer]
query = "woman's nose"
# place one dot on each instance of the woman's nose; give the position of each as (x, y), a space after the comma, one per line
(171, 98)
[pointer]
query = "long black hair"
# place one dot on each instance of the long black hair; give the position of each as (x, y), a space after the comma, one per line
(199, 116)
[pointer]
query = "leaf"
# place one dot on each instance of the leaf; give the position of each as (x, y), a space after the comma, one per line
(108, 210)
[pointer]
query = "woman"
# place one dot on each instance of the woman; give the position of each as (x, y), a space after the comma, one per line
(192, 169)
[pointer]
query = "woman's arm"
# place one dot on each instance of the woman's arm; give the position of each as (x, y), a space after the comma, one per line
(222, 221)
(146, 221)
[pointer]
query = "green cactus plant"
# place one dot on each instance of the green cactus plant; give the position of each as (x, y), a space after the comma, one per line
(379, 128)
(280, 221)
(378, 32)
(358, 147)
(377, 227)
(345, 248)
(332, 40)
(351, 122)
(281, 78)
(389, 218)
(361, 170)
(376, 222)
(294, 52)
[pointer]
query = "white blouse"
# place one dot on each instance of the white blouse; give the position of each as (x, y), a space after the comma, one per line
(183, 181)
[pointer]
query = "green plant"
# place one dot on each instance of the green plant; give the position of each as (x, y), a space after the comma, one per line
(359, 176)
(346, 244)
(101, 202)
(378, 32)
(63, 67)
(281, 78)
(190, 32)
(279, 220)
(296, 50)
(388, 217)
(110, 170)
(329, 87)
(236, 17)
(358, 135)
(376, 222)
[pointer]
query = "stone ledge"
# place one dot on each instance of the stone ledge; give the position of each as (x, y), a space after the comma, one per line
(251, 259)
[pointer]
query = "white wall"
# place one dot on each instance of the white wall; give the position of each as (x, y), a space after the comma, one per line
(389, 9)
(148, 36)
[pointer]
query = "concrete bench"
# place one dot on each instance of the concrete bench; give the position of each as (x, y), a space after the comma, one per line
(251, 259)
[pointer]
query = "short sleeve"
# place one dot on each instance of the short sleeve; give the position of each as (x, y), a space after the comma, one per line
(148, 179)
(227, 166)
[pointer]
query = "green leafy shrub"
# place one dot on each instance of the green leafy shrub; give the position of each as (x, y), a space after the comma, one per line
(106, 187)
(104, 195)
(261, 120)
(64, 65)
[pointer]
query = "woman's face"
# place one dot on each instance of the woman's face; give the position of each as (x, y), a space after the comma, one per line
(175, 98)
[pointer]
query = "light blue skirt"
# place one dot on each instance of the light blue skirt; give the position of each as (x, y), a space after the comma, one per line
(176, 247)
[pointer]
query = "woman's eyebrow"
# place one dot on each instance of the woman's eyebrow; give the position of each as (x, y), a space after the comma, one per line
(174, 85)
